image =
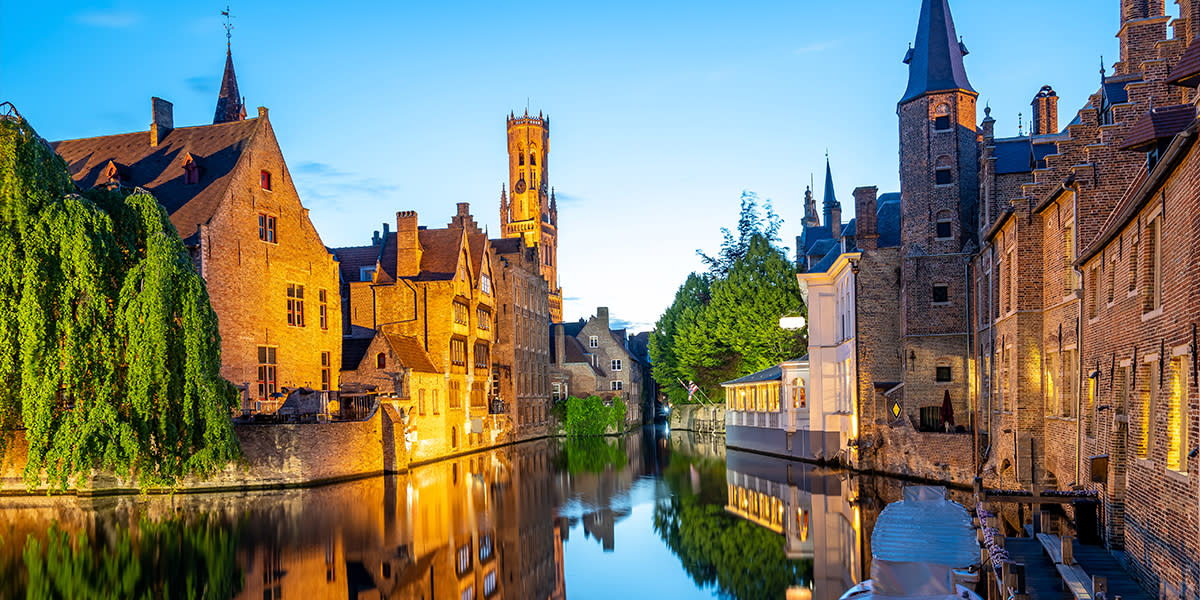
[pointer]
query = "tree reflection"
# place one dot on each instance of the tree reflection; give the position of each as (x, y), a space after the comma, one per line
(740, 559)
(592, 454)
(172, 558)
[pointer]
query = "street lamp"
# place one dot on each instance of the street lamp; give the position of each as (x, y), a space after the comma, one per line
(791, 322)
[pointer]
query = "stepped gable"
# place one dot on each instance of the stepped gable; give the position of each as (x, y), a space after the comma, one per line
(159, 169)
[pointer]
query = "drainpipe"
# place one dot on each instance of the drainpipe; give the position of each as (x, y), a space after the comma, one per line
(857, 376)
(1078, 336)
(967, 318)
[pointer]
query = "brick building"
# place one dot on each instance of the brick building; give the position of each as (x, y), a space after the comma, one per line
(1047, 285)
(521, 359)
(430, 289)
(227, 188)
(590, 359)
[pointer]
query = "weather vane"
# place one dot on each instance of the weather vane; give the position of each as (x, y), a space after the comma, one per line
(228, 27)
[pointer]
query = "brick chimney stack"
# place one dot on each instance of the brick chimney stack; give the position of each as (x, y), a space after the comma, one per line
(866, 233)
(162, 120)
(560, 344)
(408, 246)
(602, 316)
(1045, 111)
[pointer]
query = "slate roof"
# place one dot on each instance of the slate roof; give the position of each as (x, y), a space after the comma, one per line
(767, 374)
(410, 353)
(215, 149)
(229, 102)
(1186, 72)
(572, 329)
(821, 247)
(935, 62)
(828, 260)
(887, 219)
(1158, 124)
(1021, 155)
(353, 350)
(440, 251)
(351, 259)
(507, 245)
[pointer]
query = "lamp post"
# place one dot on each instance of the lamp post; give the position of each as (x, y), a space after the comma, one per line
(791, 323)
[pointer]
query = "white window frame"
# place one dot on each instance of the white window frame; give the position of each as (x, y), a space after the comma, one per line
(614, 385)
(594, 341)
(366, 273)
(615, 364)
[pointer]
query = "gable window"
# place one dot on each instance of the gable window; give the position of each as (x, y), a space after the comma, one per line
(941, 117)
(941, 293)
(943, 173)
(265, 180)
(266, 373)
(295, 305)
(266, 228)
(326, 372)
(594, 342)
(943, 373)
(616, 364)
(323, 309)
(614, 385)
(381, 361)
(485, 284)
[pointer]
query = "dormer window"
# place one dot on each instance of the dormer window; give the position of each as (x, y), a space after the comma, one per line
(265, 180)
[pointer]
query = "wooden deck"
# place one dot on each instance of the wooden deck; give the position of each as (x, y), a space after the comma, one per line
(1095, 560)
(1042, 581)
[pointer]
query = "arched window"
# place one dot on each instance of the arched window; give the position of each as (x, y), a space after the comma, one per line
(380, 361)
(532, 159)
(943, 170)
(453, 437)
(521, 155)
(941, 117)
(800, 400)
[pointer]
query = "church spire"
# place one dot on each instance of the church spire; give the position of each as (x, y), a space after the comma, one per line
(832, 208)
(230, 106)
(935, 63)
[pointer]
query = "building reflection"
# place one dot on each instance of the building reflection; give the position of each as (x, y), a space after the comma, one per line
(815, 510)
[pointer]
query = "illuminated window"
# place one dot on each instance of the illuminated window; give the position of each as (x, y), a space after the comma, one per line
(381, 361)
(458, 351)
(266, 228)
(266, 372)
(460, 313)
(801, 398)
(1069, 383)
(326, 371)
(1068, 254)
(265, 180)
(1050, 380)
(489, 583)
(1177, 416)
(483, 318)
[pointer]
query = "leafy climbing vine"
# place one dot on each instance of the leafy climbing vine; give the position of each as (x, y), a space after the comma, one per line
(109, 351)
(591, 416)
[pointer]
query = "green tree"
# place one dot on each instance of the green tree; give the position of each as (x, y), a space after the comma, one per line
(725, 323)
(109, 351)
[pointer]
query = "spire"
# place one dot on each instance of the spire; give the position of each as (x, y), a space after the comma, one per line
(935, 62)
(230, 106)
(830, 199)
(832, 209)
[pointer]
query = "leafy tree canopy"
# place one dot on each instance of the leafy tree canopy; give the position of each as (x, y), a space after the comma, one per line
(109, 351)
(724, 323)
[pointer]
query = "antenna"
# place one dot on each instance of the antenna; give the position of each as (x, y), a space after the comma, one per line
(228, 27)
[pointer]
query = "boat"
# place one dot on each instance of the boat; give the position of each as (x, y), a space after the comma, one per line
(923, 546)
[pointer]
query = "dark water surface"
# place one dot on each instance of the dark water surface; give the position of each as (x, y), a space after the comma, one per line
(647, 515)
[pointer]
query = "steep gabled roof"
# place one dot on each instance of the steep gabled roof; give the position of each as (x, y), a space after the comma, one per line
(935, 62)
(352, 259)
(410, 353)
(216, 150)
(440, 253)
(1158, 124)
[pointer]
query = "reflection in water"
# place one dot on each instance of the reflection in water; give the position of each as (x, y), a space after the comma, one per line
(494, 525)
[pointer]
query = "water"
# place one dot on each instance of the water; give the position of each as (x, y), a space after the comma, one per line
(648, 515)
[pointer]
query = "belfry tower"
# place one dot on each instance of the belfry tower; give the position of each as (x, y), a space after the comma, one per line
(530, 211)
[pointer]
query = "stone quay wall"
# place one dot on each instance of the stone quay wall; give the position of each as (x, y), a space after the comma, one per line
(696, 417)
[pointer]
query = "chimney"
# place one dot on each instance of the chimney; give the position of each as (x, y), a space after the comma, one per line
(835, 220)
(375, 238)
(163, 120)
(408, 246)
(1045, 112)
(866, 231)
(602, 316)
(560, 344)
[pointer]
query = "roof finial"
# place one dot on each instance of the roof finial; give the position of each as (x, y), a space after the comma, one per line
(228, 28)
(1102, 75)
(987, 109)
(1020, 125)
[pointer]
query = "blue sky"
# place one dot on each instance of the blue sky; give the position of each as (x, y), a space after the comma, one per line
(661, 112)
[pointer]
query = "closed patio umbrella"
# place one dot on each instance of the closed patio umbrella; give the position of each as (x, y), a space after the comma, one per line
(947, 409)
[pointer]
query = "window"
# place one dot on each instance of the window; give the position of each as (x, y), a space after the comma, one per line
(323, 309)
(266, 373)
(1154, 267)
(295, 305)
(1133, 263)
(1112, 280)
(943, 373)
(437, 408)
(485, 284)
(593, 342)
(464, 559)
(1149, 408)
(943, 171)
(468, 592)
(1070, 383)
(366, 273)
(1068, 254)
(941, 293)
(460, 312)
(485, 547)
(266, 228)
(381, 361)
(1177, 416)
(481, 355)
(558, 391)
(941, 117)
(801, 398)
(483, 318)
(326, 372)
(615, 364)
(265, 180)
(489, 583)
(458, 351)
(1093, 285)
(945, 229)
(614, 385)
(421, 402)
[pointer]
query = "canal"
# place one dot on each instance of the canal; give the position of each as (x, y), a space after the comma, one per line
(648, 515)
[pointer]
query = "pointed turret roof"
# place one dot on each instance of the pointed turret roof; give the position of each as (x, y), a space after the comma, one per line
(935, 62)
(229, 102)
(830, 199)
